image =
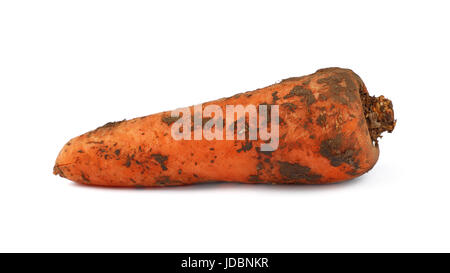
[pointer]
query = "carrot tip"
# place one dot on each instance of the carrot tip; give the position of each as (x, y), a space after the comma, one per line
(57, 171)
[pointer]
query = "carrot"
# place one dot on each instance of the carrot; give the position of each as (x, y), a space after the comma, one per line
(328, 130)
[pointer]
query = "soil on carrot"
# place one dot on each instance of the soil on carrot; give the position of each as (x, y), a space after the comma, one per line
(110, 124)
(295, 171)
(301, 91)
(161, 159)
(337, 154)
(169, 119)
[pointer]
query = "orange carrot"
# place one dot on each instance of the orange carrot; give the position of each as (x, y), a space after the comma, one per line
(328, 129)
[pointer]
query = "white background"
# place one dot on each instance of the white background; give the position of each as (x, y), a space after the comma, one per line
(67, 67)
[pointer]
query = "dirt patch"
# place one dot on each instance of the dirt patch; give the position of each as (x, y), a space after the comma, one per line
(169, 119)
(110, 125)
(335, 151)
(300, 91)
(293, 171)
(161, 159)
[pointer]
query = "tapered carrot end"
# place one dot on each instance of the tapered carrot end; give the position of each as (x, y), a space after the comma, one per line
(64, 160)
(57, 169)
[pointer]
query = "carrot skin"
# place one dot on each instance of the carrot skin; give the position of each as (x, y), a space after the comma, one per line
(327, 133)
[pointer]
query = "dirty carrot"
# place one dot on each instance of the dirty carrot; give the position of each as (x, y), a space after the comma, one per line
(328, 130)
